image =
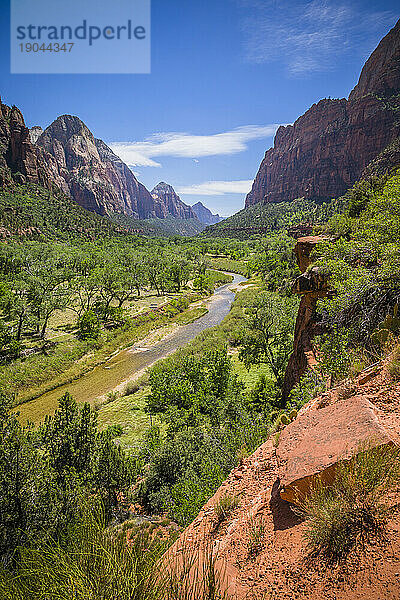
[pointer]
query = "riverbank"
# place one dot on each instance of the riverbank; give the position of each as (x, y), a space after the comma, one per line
(132, 361)
(128, 410)
(72, 358)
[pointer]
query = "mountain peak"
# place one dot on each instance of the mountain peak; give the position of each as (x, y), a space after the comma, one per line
(205, 215)
(67, 125)
(163, 188)
(326, 150)
(174, 207)
(381, 73)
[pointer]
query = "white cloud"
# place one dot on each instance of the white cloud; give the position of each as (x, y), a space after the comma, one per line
(309, 36)
(189, 145)
(217, 188)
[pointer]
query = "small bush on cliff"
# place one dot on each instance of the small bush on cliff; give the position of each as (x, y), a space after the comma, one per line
(256, 531)
(334, 358)
(347, 513)
(394, 363)
(224, 506)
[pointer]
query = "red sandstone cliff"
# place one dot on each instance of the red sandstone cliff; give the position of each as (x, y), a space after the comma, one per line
(325, 151)
(20, 160)
(96, 178)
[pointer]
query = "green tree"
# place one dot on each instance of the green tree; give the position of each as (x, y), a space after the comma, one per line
(89, 325)
(69, 438)
(268, 333)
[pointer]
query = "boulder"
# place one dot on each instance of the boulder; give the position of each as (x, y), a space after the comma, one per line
(319, 439)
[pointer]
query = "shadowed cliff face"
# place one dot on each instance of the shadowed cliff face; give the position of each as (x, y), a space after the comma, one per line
(325, 151)
(20, 160)
(205, 215)
(95, 177)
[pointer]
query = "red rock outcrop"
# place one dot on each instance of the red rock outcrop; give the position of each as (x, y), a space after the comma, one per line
(310, 286)
(276, 564)
(320, 438)
(20, 160)
(326, 150)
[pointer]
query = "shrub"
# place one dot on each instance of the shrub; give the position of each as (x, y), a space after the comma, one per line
(224, 506)
(334, 359)
(311, 384)
(131, 388)
(256, 529)
(89, 326)
(115, 431)
(264, 396)
(275, 439)
(347, 513)
(393, 365)
(90, 562)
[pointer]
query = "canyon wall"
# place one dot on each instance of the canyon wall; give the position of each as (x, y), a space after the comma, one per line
(326, 150)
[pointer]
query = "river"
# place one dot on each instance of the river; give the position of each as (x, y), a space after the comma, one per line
(130, 363)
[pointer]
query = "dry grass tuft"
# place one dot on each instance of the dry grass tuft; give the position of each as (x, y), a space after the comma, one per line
(352, 510)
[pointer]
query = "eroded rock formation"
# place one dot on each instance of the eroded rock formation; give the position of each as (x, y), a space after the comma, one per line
(95, 177)
(310, 285)
(326, 150)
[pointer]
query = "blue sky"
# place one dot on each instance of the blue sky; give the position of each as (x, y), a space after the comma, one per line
(224, 75)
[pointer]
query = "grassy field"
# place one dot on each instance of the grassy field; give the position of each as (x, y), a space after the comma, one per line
(127, 411)
(228, 264)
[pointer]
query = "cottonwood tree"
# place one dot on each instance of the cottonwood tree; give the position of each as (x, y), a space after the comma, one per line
(268, 333)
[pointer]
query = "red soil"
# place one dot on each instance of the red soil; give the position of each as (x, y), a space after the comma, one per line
(280, 568)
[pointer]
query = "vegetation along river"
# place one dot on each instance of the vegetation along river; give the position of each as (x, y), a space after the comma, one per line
(131, 362)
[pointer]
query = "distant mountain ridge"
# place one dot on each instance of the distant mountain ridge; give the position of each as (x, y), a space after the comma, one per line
(205, 215)
(94, 176)
(326, 150)
(78, 169)
(169, 203)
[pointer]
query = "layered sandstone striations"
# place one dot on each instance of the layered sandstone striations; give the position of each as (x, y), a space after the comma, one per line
(326, 150)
